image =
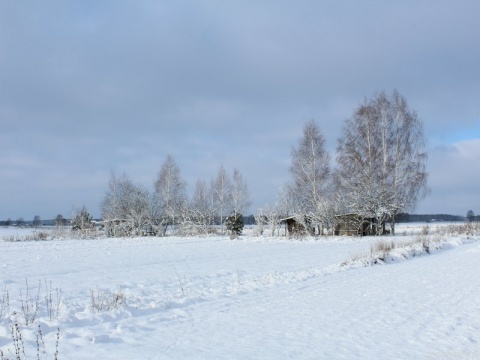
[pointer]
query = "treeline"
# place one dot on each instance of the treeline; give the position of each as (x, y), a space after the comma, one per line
(129, 209)
(31, 223)
(250, 220)
(247, 220)
(36, 222)
(405, 218)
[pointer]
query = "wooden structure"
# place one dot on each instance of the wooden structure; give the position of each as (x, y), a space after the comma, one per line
(355, 225)
(298, 225)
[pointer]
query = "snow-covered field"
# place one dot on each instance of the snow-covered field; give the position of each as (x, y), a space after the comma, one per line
(250, 298)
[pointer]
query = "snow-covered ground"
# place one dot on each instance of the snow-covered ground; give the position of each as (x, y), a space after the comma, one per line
(250, 298)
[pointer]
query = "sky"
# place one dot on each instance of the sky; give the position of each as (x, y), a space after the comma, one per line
(91, 88)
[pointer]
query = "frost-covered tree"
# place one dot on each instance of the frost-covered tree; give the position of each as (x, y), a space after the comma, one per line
(125, 207)
(269, 216)
(310, 170)
(115, 204)
(197, 216)
(239, 194)
(381, 159)
(287, 203)
(221, 194)
(82, 220)
(170, 190)
(260, 221)
(36, 221)
(202, 207)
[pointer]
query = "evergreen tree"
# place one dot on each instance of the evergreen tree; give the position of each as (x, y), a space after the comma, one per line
(82, 220)
(234, 224)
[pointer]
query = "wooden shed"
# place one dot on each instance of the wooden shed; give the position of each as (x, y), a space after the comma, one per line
(298, 225)
(354, 225)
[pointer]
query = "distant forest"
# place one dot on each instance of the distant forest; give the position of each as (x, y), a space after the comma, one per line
(405, 218)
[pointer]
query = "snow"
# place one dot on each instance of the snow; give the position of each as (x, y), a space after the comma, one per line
(250, 298)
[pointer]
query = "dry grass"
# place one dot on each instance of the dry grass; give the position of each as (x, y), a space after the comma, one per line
(428, 240)
(104, 300)
(35, 236)
(382, 246)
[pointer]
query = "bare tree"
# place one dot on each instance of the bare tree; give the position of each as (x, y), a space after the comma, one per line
(201, 207)
(287, 203)
(125, 207)
(470, 215)
(221, 192)
(36, 221)
(381, 159)
(197, 215)
(59, 220)
(118, 199)
(268, 216)
(138, 214)
(239, 194)
(329, 207)
(261, 220)
(310, 169)
(170, 190)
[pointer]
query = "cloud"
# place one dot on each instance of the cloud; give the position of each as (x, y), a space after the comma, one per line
(93, 87)
(453, 178)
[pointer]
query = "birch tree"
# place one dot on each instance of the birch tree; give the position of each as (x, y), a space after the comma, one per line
(200, 211)
(170, 189)
(239, 194)
(221, 192)
(381, 159)
(268, 216)
(310, 170)
(125, 206)
(287, 203)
